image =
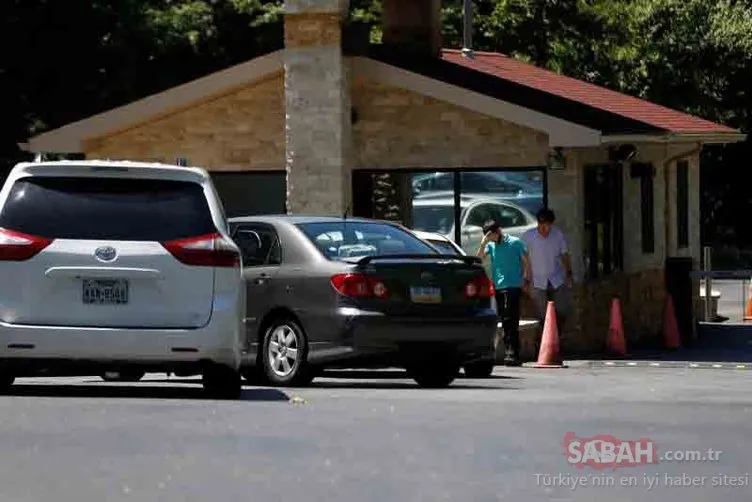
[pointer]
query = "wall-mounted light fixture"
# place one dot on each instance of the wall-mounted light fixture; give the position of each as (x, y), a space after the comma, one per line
(556, 159)
(622, 153)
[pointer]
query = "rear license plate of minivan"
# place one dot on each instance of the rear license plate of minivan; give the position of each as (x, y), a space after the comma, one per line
(425, 295)
(105, 291)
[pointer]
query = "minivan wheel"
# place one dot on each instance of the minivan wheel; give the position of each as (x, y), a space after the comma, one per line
(436, 375)
(480, 369)
(222, 382)
(284, 354)
(123, 376)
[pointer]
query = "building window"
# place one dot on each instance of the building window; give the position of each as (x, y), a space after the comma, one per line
(452, 202)
(682, 204)
(604, 236)
(251, 193)
(647, 207)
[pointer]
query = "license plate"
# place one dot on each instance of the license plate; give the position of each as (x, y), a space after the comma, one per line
(425, 295)
(105, 291)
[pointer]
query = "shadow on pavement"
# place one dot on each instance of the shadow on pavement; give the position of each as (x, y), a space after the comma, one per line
(390, 375)
(136, 390)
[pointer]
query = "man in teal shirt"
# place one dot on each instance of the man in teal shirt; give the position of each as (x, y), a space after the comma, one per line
(510, 272)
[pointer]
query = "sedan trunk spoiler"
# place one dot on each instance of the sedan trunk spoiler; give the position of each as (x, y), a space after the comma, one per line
(470, 260)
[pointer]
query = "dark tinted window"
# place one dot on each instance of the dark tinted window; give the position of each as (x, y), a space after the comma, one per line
(258, 244)
(338, 240)
(107, 208)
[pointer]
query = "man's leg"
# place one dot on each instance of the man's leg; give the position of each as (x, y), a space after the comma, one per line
(563, 298)
(511, 325)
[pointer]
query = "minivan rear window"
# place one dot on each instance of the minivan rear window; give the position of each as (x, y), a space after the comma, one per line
(107, 208)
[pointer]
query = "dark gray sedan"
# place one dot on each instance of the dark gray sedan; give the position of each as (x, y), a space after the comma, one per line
(330, 292)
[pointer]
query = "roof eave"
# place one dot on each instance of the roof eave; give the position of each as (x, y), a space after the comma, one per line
(708, 138)
(70, 138)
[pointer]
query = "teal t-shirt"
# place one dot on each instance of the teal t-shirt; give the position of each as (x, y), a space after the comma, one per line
(506, 262)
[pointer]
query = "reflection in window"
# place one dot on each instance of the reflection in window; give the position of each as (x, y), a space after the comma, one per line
(426, 200)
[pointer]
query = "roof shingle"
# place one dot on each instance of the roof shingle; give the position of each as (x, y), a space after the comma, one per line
(519, 72)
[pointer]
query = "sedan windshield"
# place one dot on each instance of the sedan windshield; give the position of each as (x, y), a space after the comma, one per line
(344, 239)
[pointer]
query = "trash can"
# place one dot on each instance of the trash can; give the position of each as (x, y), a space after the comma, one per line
(678, 276)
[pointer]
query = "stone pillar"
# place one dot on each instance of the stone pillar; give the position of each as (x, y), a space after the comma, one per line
(317, 99)
(412, 25)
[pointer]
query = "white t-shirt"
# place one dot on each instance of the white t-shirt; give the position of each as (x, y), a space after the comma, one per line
(545, 257)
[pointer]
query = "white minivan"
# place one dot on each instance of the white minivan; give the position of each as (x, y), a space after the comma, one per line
(114, 266)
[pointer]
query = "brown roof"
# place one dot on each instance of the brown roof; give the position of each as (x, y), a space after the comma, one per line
(513, 70)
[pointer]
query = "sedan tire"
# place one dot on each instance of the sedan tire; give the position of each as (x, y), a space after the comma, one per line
(284, 354)
(436, 375)
(481, 369)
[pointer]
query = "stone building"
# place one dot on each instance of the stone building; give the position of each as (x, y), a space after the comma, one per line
(319, 126)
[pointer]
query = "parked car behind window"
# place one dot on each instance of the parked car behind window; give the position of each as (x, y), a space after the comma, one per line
(355, 239)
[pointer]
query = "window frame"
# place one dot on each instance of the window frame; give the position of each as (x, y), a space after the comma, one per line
(682, 204)
(257, 228)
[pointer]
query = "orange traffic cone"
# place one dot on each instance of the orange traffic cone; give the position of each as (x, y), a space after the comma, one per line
(748, 309)
(671, 336)
(548, 356)
(617, 345)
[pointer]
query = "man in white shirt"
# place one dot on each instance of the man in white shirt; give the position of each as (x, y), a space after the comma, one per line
(550, 267)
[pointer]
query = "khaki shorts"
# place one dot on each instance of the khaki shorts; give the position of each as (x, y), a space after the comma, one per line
(562, 298)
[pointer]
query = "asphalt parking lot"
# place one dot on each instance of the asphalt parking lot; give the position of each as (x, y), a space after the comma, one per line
(357, 435)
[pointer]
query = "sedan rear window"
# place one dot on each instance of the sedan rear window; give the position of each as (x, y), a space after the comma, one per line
(355, 239)
(107, 209)
(444, 247)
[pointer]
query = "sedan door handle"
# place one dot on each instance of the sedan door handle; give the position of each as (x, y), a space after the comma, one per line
(259, 281)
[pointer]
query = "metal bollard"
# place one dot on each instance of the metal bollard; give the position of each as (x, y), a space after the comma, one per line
(707, 266)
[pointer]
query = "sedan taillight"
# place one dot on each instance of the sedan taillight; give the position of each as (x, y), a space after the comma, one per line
(212, 250)
(16, 246)
(359, 286)
(480, 287)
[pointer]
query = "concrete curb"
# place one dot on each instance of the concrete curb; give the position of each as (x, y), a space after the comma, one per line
(670, 364)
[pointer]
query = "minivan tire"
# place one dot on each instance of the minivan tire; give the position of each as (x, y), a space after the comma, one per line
(300, 373)
(222, 382)
(6, 382)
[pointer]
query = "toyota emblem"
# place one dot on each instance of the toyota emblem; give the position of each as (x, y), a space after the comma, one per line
(105, 253)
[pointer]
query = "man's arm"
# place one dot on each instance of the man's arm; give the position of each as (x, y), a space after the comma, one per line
(566, 261)
(482, 251)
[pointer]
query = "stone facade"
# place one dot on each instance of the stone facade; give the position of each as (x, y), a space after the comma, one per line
(243, 129)
(397, 128)
(317, 109)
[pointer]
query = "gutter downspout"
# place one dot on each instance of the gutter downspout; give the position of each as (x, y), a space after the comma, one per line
(666, 203)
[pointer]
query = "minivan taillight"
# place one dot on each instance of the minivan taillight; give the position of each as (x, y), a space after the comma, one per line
(15, 246)
(480, 287)
(359, 286)
(211, 250)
